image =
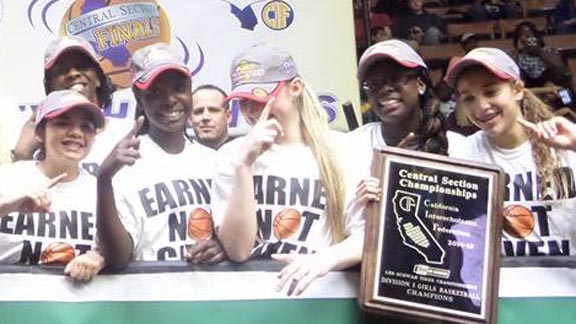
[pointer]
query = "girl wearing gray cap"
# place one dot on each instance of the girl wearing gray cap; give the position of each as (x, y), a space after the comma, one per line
(70, 62)
(156, 160)
(400, 93)
(48, 206)
(520, 134)
(279, 190)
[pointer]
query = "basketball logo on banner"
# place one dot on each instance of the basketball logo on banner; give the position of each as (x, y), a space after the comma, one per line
(277, 15)
(116, 29)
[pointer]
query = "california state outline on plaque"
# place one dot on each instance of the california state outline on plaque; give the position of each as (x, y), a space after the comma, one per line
(413, 231)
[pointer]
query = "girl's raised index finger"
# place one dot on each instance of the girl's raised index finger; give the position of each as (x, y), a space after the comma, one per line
(266, 111)
(136, 128)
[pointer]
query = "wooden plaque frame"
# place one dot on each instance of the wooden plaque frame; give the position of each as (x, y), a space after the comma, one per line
(432, 245)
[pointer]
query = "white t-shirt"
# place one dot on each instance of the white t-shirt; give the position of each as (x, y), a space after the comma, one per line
(365, 139)
(67, 231)
(157, 200)
(290, 200)
(532, 226)
(360, 145)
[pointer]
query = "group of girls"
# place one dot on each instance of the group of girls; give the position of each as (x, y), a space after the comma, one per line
(282, 191)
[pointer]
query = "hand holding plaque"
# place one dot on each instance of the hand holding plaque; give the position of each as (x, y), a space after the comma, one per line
(432, 243)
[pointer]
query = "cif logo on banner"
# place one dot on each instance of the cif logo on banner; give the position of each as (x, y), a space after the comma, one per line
(116, 29)
(277, 15)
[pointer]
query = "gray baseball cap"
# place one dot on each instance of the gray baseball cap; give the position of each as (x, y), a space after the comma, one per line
(64, 44)
(149, 62)
(62, 101)
(493, 59)
(393, 49)
(257, 72)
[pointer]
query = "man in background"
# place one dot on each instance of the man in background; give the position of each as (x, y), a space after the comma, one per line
(210, 115)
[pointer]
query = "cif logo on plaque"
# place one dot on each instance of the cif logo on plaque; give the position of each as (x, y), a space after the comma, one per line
(116, 29)
(277, 15)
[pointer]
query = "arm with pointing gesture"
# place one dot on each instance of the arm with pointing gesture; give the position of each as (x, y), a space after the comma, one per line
(557, 132)
(115, 243)
(29, 198)
(238, 227)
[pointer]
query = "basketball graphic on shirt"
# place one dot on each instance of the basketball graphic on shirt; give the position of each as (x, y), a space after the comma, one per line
(286, 223)
(200, 225)
(58, 253)
(518, 221)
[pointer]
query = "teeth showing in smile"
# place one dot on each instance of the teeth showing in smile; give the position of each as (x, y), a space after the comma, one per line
(389, 102)
(72, 145)
(172, 114)
(77, 87)
(486, 117)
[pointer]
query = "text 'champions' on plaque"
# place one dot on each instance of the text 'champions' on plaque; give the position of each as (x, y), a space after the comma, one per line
(432, 243)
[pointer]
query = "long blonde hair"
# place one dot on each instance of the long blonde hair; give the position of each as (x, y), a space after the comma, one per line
(314, 128)
(546, 158)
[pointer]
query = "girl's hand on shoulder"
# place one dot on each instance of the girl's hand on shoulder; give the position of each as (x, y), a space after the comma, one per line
(301, 270)
(557, 132)
(126, 152)
(85, 266)
(261, 137)
(368, 190)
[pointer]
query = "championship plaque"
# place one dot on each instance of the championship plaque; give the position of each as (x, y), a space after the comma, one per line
(432, 246)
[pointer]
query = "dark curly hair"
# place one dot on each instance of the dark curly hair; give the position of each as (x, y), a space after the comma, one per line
(432, 134)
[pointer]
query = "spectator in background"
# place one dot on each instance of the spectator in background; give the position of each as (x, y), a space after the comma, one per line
(565, 16)
(210, 115)
(483, 10)
(540, 65)
(394, 8)
(469, 41)
(380, 27)
(420, 26)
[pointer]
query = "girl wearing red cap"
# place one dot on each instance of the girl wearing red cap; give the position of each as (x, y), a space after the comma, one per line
(71, 63)
(159, 206)
(400, 93)
(521, 135)
(48, 207)
(280, 190)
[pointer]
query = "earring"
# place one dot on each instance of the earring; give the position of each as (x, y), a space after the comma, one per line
(421, 91)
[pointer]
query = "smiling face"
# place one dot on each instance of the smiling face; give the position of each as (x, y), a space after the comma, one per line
(490, 103)
(393, 92)
(75, 71)
(167, 102)
(68, 138)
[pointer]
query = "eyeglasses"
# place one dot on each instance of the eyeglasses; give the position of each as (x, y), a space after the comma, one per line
(374, 85)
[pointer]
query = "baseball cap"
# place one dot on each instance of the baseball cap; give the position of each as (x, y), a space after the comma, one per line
(149, 62)
(61, 101)
(394, 49)
(64, 44)
(467, 36)
(493, 59)
(258, 72)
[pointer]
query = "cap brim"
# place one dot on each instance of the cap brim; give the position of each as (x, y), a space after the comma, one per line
(460, 65)
(48, 65)
(145, 81)
(95, 111)
(371, 59)
(259, 92)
